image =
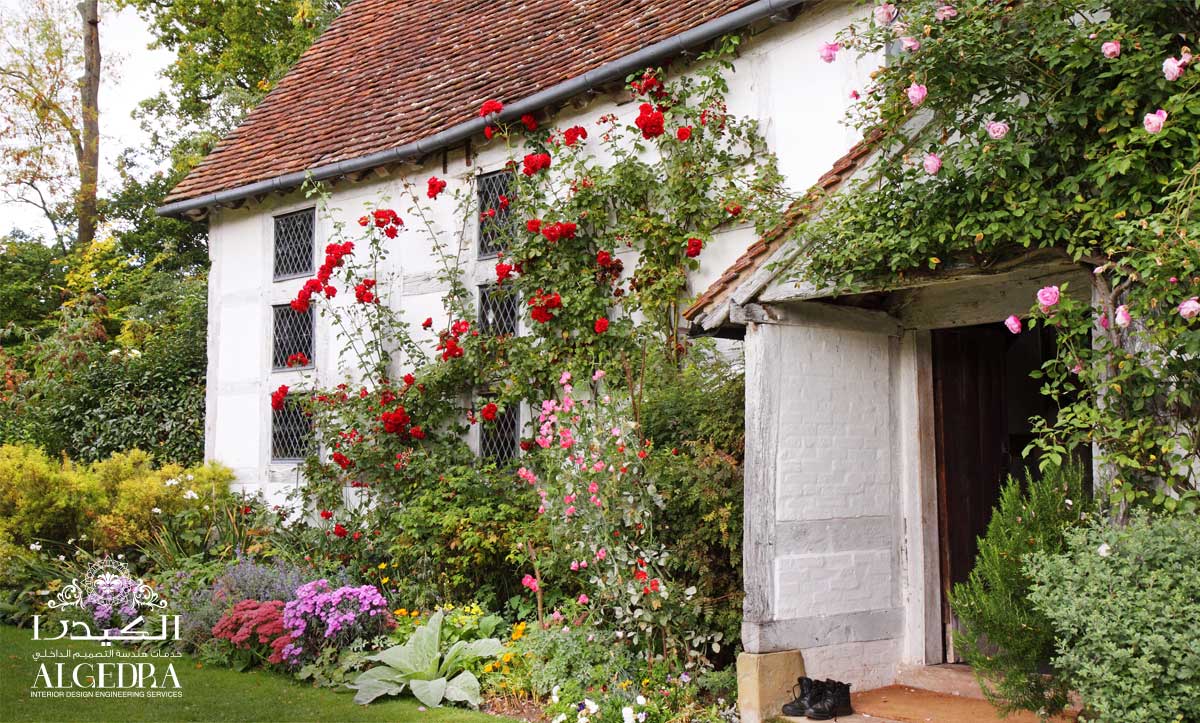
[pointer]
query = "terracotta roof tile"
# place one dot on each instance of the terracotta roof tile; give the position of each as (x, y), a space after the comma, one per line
(800, 210)
(390, 72)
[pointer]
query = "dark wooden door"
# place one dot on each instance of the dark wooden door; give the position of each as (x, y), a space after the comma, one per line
(972, 446)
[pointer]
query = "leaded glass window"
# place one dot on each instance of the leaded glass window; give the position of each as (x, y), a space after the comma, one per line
(292, 334)
(499, 439)
(294, 244)
(496, 223)
(498, 311)
(291, 432)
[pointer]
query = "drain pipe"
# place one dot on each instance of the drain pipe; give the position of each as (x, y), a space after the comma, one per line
(609, 72)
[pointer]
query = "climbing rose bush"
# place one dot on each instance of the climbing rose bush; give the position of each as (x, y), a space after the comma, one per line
(1075, 136)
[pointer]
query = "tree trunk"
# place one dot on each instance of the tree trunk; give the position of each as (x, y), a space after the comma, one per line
(89, 162)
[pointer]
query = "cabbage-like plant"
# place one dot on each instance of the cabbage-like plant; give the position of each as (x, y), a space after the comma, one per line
(420, 665)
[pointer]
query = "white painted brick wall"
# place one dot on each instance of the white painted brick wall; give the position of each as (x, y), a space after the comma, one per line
(866, 665)
(833, 583)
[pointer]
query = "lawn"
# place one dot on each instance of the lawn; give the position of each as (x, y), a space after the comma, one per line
(209, 694)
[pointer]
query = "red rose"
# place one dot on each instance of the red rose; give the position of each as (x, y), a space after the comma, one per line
(488, 132)
(694, 245)
(603, 258)
(409, 379)
(363, 220)
(299, 305)
(535, 162)
(342, 460)
(503, 271)
(503, 202)
(639, 575)
(390, 232)
(427, 323)
(417, 432)
(339, 530)
(489, 411)
(529, 122)
(601, 325)
(490, 107)
(356, 536)
(533, 225)
(733, 209)
(326, 514)
(436, 186)
(278, 396)
(683, 133)
(649, 121)
(574, 134)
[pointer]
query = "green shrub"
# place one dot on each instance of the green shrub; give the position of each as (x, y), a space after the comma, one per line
(1007, 642)
(42, 498)
(1124, 604)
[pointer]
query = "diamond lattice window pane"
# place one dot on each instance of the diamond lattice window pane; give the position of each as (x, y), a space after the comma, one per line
(494, 232)
(498, 311)
(294, 244)
(293, 334)
(291, 432)
(500, 438)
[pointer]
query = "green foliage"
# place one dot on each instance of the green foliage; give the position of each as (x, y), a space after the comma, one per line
(32, 288)
(1077, 176)
(44, 499)
(1123, 605)
(1004, 639)
(431, 674)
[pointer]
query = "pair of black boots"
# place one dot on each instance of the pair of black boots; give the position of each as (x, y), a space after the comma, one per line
(819, 699)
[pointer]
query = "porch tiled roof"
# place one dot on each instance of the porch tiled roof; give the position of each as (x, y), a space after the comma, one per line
(389, 72)
(800, 211)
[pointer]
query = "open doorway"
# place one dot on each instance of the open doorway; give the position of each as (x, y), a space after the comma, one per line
(983, 398)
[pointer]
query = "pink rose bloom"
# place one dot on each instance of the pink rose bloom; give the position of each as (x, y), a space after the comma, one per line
(910, 44)
(1122, 316)
(598, 375)
(1190, 309)
(945, 12)
(570, 510)
(574, 565)
(1047, 296)
(601, 553)
(916, 94)
(1172, 68)
(854, 95)
(885, 14)
(583, 599)
(1013, 324)
(932, 163)
(1111, 49)
(828, 51)
(997, 129)
(565, 378)
(1154, 121)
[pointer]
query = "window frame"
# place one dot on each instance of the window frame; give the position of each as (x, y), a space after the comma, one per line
(311, 211)
(290, 406)
(311, 352)
(482, 254)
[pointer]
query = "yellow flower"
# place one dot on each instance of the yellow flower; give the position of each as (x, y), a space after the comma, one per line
(488, 668)
(518, 630)
(384, 580)
(383, 566)
(416, 613)
(506, 658)
(401, 613)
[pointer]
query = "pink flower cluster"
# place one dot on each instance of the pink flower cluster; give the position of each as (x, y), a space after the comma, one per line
(321, 615)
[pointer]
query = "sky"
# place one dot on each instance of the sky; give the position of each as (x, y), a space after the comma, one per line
(124, 45)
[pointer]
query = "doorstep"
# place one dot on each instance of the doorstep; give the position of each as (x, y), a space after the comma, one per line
(905, 704)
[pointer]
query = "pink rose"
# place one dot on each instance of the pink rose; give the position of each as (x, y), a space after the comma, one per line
(916, 94)
(945, 12)
(1013, 324)
(1122, 316)
(932, 163)
(885, 14)
(828, 51)
(1047, 296)
(1111, 49)
(997, 129)
(910, 44)
(1154, 121)
(1104, 321)
(1190, 309)
(1172, 68)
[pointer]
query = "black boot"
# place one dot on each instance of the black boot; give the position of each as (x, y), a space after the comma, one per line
(834, 701)
(807, 690)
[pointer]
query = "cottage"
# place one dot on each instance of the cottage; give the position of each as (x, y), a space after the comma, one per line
(876, 426)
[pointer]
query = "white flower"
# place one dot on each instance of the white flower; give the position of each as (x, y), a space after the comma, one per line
(134, 353)
(590, 705)
(560, 718)
(640, 700)
(171, 482)
(189, 477)
(627, 715)
(115, 352)
(83, 537)
(155, 510)
(1068, 503)
(1104, 550)
(642, 717)
(71, 541)
(554, 694)
(191, 495)
(36, 546)
(121, 556)
(62, 558)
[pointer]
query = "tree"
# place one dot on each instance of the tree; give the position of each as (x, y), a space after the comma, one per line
(50, 121)
(32, 288)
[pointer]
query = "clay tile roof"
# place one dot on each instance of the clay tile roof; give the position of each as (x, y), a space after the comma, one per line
(800, 211)
(390, 72)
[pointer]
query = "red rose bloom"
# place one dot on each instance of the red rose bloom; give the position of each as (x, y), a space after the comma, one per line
(533, 225)
(503, 271)
(693, 247)
(363, 220)
(326, 514)
(427, 323)
(601, 325)
(488, 132)
(489, 411)
(417, 432)
(278, 396)
(436, 186)
(574, 134)
(409, 379)
(529, 122)
(683, 133)
(535, 162)
(490, 107)
(391, 231)
(649, 121)
(733, 209)
(340, 530)
(342, 460)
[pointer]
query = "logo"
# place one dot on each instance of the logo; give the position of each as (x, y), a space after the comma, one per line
(115, 607)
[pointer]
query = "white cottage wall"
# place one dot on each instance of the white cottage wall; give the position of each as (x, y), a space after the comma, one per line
(778, 79)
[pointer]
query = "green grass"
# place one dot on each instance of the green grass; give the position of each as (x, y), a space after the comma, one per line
(209, 694)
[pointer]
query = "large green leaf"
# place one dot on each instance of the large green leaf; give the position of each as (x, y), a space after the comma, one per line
(425, 647)
(376, 682)
(429, 692)
(400, 657)
(464, 688)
